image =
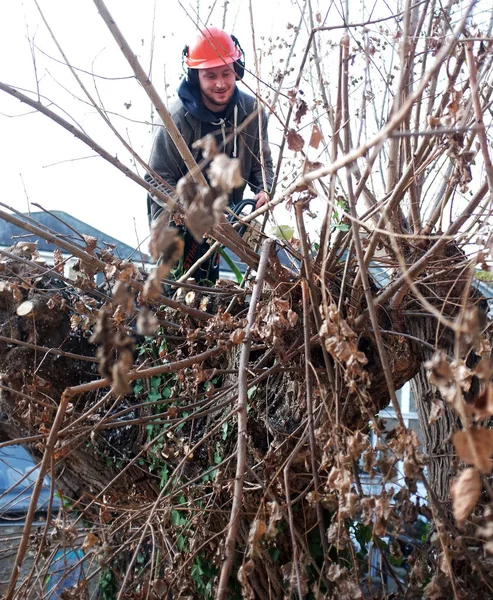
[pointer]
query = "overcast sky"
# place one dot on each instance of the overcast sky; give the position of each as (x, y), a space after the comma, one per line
(44, 164)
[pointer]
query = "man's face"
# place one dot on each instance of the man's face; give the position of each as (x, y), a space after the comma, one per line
(217, 86)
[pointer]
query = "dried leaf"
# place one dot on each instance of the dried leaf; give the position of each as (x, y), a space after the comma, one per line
(300, 106)
(475, 447)
(205, 205)
(120, 385)
(348, 505)
(342, 343)
(147, 322)
(110, 271)
(61, 451)
(187, 191)
(382, 511)
(225, 173)
(316, 137)
(310, 166)
(257, 531)
(356, 445)
(437, 410)
(91, 243)
(164, 239)
(450, 378)
(340, 480)
(483, 404)
(454, 104)
(292, 317)
(208, 146)
(89, 541)
(127, 272)
(301, 110)
(295, 141)
(122, 295)
(118, 315)
(58, 262)
(440, 372)
(191, 299)
(16, 293)
(152, 286)
(159, 589)
(465, 491)
(237, 336)
(244, 572)
(337, 534)
(484, 369)
(335, 572)
(199, 219)
(367, 506)
(275, 516)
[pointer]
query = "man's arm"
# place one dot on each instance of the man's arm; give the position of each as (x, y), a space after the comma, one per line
(166, 162)
(256, 179)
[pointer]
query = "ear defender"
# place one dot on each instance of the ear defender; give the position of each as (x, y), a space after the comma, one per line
(191, 74)
(239, 65)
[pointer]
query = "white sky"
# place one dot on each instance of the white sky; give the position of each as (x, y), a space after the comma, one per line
(42, 163)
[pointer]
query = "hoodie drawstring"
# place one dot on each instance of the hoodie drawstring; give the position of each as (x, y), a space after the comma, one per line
(223, 131)
(222, 123)
(235, 124)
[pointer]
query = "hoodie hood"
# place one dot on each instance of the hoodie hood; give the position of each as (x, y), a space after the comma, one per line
(191, 99)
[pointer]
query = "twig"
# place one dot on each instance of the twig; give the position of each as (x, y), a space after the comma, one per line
(292, 529)
(230, 543)
(55, 351)
(309, 410)
(146, 373)
(422, 263)
(101, 112)
(43, 468)
(165, 198)
(151, 91)
(98, 264)
(381, 136)
(366, 288)
(478, 113)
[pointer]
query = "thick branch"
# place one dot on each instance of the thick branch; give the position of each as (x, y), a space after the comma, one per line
(229, 547)
(478, 114)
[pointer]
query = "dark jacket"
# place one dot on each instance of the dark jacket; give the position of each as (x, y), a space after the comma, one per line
(166, 160)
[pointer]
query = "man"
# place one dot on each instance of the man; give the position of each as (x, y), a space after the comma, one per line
(209, 102)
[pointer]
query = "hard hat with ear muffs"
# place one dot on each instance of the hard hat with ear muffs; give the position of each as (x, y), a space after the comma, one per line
(213, 47)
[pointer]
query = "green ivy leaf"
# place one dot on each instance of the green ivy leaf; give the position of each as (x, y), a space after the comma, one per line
(484, 276)
(274, 553)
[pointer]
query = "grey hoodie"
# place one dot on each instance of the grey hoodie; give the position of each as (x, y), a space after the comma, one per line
(167, 163)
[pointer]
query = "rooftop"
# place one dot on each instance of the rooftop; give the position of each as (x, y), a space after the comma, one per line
(66, 226)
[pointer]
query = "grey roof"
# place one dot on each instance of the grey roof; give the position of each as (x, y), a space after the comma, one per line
(64, 224)
(18, 474)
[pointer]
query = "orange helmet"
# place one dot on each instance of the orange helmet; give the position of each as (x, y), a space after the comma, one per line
(212, 47)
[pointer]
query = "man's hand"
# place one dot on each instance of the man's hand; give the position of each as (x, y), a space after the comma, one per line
(261, 198)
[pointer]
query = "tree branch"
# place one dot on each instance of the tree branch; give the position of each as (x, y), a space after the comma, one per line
(229, 545)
